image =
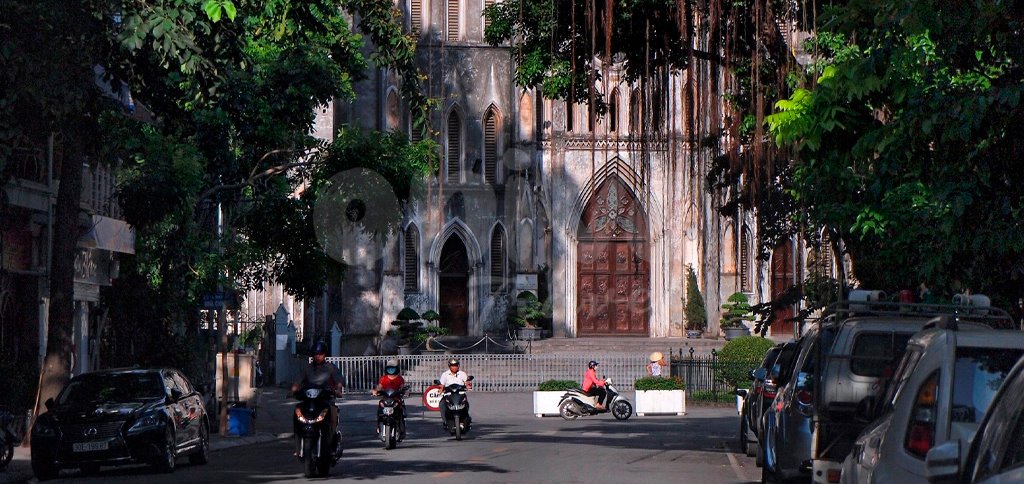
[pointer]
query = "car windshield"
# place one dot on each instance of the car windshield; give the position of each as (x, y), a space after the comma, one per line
(111, 388)
(976, 377)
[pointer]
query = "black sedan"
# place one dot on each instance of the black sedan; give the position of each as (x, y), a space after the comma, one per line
(118, 417)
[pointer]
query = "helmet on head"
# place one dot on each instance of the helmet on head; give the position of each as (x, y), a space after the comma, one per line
(591, 364)
(391, 367)
(319, 348)
(453, 362)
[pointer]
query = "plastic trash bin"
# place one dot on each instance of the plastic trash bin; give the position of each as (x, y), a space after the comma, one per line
(239, 421)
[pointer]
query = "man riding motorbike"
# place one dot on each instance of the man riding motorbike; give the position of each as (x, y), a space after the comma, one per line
(456, 376)
(323, 374)
(594, 386)
(392, 380)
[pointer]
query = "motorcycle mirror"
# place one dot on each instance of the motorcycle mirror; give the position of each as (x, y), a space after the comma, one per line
(470, 378)
(437, 382)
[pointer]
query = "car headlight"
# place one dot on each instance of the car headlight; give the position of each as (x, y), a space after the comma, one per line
(303, 419)
(146, 422)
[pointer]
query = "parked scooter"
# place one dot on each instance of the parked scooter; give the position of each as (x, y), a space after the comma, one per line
(391, 416)
(317, 448)
(7, 438)
(455, 409)
(576, 404)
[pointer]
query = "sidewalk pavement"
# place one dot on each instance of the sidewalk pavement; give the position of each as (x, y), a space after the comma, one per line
(271, 421)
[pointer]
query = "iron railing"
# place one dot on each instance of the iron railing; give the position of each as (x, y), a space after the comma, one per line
(524, 372)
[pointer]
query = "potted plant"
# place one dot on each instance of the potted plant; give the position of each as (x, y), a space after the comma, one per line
(696, 314)
(660, 395)
(527, 316)
(548, 395)
(427, 334)
(737, 310)
(405, 326)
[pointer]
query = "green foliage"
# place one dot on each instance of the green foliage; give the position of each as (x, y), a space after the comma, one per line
(696, 315)
(558, 385)
(529, 311)
(659, 383)
(431, 315)
(737, 310)
(18, 379)
(739, 356)
(407, 314)
(427, 332)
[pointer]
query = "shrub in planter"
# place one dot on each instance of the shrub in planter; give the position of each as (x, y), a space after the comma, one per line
(696, 314)
(659, 383)
(558, 385)
(737, 310)
(739, 356)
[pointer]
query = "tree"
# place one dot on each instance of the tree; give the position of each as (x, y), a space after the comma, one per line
(233, 85)
(696, 315)
(906, 146)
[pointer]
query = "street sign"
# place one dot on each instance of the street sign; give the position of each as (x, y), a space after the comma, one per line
(432, 397)
(214, 300)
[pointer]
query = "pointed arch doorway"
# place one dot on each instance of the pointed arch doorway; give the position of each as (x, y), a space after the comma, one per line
(613, 264)
(453, 277)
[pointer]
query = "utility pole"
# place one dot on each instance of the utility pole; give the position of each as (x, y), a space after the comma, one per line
(222, 329)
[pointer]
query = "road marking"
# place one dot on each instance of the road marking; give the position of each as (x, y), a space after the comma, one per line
(736, 466)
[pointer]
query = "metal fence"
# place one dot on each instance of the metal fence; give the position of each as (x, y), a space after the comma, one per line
(523, 372)
(706, 376)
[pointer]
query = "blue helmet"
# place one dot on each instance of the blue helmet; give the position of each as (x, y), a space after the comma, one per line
(319, 348)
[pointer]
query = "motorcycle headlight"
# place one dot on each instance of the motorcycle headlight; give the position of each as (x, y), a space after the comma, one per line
(388, 410)
(303, 419)
(312, 393)
(146, 422)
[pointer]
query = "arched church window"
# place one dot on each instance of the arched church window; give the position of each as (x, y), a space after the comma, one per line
(497, 258)
(392, 116)
(491, 131)
(453, 161)
(412, 259)
(634, 112)
(745, 260)
(452, 24)
(570, 115)
(526, 118)
(613, 111)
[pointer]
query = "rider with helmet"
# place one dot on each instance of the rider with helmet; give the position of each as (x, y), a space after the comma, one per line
(456, 376)
(324, 374)
(594, 386)
(392, 380)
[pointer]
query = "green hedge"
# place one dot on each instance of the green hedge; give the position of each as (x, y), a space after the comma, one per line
(739, 356)
(558, 385)
(659, 383)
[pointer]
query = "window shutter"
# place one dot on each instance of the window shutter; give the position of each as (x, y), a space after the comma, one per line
(497, 259)
(416, 14)
(412, 259)
(454, 160)
(487, 20)
(744, 260)
(453, 20)
(491, 148)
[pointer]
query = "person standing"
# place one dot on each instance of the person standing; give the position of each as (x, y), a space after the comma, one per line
(656, 365)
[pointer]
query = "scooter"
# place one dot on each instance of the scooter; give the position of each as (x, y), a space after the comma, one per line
(576, 404)
(455, 409)
(317, 448)
(7, 438)
(391, 416)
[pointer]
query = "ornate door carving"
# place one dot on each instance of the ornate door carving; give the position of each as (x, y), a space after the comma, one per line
(613, 268)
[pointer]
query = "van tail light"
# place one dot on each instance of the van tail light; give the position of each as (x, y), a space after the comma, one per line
(921, 432)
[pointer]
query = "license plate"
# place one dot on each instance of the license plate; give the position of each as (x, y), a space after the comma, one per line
(90, 446)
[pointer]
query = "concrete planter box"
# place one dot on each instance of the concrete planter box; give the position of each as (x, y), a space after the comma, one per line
(546, 403)
(660, 402)
(733, 333)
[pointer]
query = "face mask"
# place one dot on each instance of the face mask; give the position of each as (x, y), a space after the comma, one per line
(391, 371)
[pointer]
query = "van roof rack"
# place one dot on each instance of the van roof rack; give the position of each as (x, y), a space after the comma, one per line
(992, 316)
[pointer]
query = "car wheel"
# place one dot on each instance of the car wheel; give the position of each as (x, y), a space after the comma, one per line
(44, 469)
(166, 461)
(201, 455)
(743, 433)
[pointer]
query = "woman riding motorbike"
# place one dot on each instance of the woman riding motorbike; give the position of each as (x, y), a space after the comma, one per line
(392, 380)
(594, 386)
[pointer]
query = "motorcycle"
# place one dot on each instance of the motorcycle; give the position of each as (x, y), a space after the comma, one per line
(8, 440)
(455, 409)
(575, 404)
(391, 416)
(317, 448)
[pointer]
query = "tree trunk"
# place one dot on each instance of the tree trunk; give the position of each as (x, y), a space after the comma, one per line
(56, 369)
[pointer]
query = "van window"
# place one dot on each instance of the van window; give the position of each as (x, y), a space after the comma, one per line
(873, 353)
(976, 377)
(893, 388)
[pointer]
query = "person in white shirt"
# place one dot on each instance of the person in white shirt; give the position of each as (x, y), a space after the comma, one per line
(455, 375)
(657, 364)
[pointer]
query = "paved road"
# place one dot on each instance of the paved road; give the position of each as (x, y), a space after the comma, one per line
(507, 444)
